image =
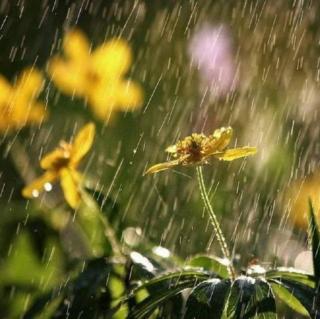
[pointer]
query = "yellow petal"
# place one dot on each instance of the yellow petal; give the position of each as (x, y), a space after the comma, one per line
(235, 153)
(37, 186)
(76, 46)
(162, 166)
(108, 97)
(69, 77)
(24, 112)
(29, 84)
(70, 186)
(58, 155)
(220, 139)
(104, 101)
(82, 142)
(5, 91)
(129, 95)
(112, 59)
(37, 113)
(297, 198)
(171, 149)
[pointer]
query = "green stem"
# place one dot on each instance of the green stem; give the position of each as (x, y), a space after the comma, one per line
(214, 221)
(111, 236)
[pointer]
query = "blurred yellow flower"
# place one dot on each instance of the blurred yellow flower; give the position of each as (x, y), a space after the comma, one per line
(18, 105)
(62, 164)
(297, 198)
(198, 148)
(97, 76)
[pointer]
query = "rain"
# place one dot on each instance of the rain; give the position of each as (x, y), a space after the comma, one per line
(159, 159)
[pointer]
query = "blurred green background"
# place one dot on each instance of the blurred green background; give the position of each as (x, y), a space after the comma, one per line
(274, 46)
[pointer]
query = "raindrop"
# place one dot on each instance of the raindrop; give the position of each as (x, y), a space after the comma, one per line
(35, 193)
(47, 187)
(161, 251)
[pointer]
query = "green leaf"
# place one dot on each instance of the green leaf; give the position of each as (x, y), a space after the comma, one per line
(87, 295)
(291, 274)
(207, 299)
(263, 303)
(249, 298)
(314, 237)
(211, 263)
(297, 296)
(163, 288)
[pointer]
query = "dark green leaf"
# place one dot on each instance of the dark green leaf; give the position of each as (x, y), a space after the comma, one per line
(87, 295)
(210, 263)
(249, 298)
(238, 301)
(163, 288)
(314, 236)
(207, 299)
(291, 274)
(263, 303)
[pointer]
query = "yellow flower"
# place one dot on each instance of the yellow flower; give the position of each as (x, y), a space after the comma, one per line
(297, 198)
(62, 164)
(18, 105)
(198, 148)
(97, 76)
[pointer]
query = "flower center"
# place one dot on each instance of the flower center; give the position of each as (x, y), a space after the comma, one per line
(193, 146)
(63, 160)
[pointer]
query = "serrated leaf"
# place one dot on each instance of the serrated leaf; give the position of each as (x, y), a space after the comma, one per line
(314, 237)
(163, 289)
(263, 303)
(237, 303)
(211, 263)
(297, 296)
(250, 298)
(207, 299)
(292, 274)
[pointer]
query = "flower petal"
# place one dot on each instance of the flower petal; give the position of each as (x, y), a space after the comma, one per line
(29, 84)
(50, 160)
(26, 112)
(5, 91)
(104, 101)
(171, 149)
(129, 95)
(112, 59)
(70, 186)
(37, 186)
(76, 46)
(162, 166)
(69, 77)
(37, 113)
(235, 153)
(82, 143)
(220, 139)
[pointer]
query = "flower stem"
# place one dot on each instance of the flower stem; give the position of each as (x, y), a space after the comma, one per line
(214, 221)
(111, 236)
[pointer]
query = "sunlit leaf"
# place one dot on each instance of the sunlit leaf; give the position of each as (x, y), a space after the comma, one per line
(297, 296)
(211, 263)
(291, 274)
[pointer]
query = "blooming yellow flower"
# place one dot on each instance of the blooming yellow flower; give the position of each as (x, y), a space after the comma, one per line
(297, 199)
(198, 148)
(18, 105)
(97, 76)
(62, 164)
